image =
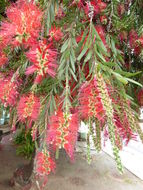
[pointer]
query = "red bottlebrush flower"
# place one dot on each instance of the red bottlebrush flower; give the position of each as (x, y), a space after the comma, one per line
(34, 133)
(3, 58)
(133, 37)
(28, 107)
(140, 41)
(90, 101)
(23, 25)
(140, 97)
(43, 59)
(123, 128)
(60, 14)
(9, 91)
(62, 131)
(98, 6)
(103, 19)
(121, 9)
(56, 34)
(44, 163)
(7, 31)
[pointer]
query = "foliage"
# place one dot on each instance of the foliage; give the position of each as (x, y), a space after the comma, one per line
(26, 146)
(70, 61)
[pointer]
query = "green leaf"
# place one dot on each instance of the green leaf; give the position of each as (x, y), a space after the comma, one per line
(133, 81)
(82, 53)
(64, 46)
(89, 55)
(72, 73)
(120, 77)
(72, 62)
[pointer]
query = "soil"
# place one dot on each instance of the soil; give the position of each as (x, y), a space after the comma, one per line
(101, 174)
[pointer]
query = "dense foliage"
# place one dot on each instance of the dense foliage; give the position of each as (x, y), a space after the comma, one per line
(25, 145)
(63, 62)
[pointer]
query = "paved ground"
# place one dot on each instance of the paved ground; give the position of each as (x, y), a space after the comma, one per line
(8, 162)
(100, 175)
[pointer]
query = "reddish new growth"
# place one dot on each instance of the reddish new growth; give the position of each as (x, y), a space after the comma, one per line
(43, 58)
(28, 108)
(90, 101)
(44, 163)
(62, 131)
(56, 34)
(23, 25)
(9, 90)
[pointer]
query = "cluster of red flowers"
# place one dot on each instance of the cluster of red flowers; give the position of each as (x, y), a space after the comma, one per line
(28, 107)
(136, 42)
(123, 129)
(98, 6)
(140, 97)
(9, 90)
(43, 57)
(62, 131)
(44, 163)
(3, 58)
(23, 24)
(90, 101)
(55, 34)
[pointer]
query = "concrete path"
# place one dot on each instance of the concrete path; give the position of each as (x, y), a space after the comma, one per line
(100, 175)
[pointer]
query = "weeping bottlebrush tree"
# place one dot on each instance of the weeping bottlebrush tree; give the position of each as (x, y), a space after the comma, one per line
(63, 62)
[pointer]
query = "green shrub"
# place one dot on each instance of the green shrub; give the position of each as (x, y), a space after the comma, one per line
(25, 144)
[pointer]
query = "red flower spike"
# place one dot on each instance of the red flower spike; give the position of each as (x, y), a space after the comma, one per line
(140, 40)
(23, 25)
(56, 34)
(3, 58)
(44, 61)
(60, 14)
(44, 163)
(103, 19)
(121, 9)
(62, 131)
(133, 37)
(9, 91)
(90, 101)
(140, 97)
(28, 108)
(98, 6)
(123, 129)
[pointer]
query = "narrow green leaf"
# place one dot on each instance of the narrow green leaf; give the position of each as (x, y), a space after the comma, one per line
(88, 57)
(72, 73)
(120, 78)
(82, 53)
(72, 62)
(133, 81)
(64, 46)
